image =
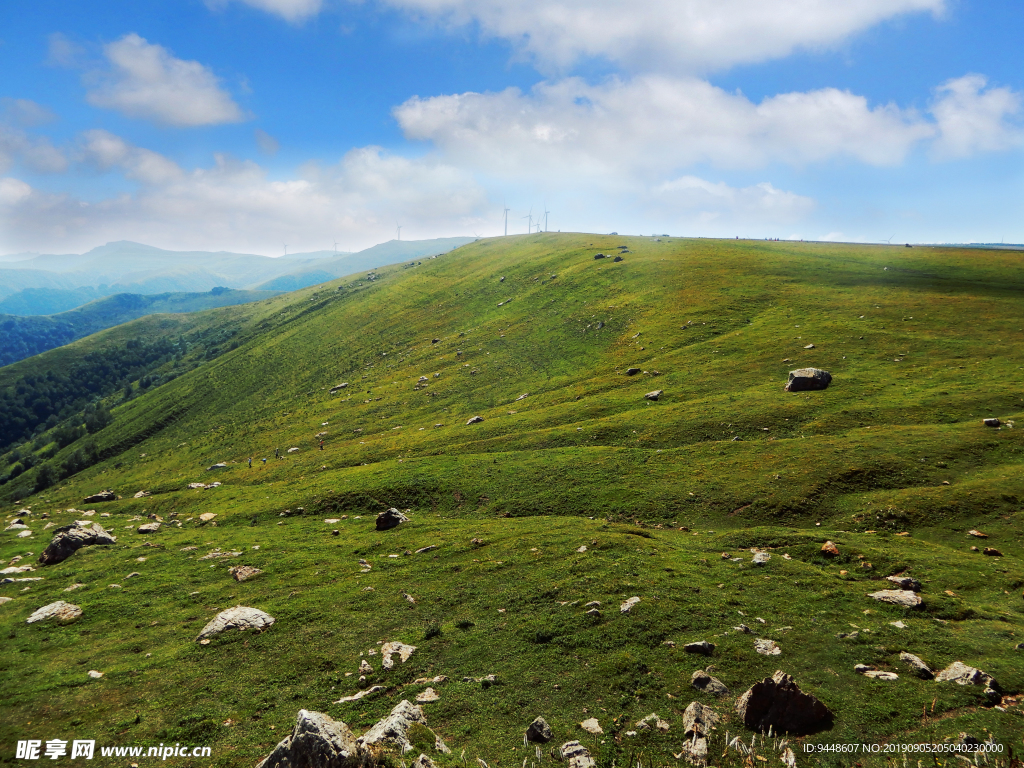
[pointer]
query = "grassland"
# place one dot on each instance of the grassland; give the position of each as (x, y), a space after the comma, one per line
(922, 343)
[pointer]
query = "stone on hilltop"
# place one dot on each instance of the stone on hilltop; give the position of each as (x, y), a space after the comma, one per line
(808, 380)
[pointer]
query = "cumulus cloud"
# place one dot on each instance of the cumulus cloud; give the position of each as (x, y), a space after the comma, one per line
(653, 124)
(290, 10)
(62, 52)
(267, 143)
(759, 203)
(145, 81)
(665, 35)
(971, 119)
(36, 153)
(25, 112)
(234, 205)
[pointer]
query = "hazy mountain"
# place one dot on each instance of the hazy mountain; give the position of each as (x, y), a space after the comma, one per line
(22, 337)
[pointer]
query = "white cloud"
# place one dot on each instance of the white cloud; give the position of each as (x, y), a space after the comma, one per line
(234, 205)
(290, 10)
(654, 126)
(62, 52)
(34, 152)
(760, 203)
(146, 81)
(666, 35)
(25, 112)
(267, 143)
(971, 119)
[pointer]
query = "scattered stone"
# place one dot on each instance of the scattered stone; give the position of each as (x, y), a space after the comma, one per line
(207, 516)
(778, 703)
(539, 732)
(142, 495)
(702, 647)
(809, 346)
(475, 420)
(95, 675)
(390, 519)
(8, 599)
(337, 387)
(243, 572)
(101, 496)
(898, 624)
(698, 722)
(388, 649)
(627, 606)
(829, 549)
(766, 647)
(902, 597)
(617, 259)
(991, 422)
(917, 666)
(961, 674)
(593, 604)
(64, 613)
(240, 618)
(360, 694)
(590, 725)
(423, 762)
(133, 574)
(632, 371)
(905, 582)
(992, 552)
(761, 558)
(651, 722)
(148, 528)
(429, 548)
(292, 450)
(654, 395)
(428, 696)
(217, 554)
(222, 465)
(977, 534)
(393, 730)
(70, 538)
(73, 587)
(582, 549)
(705, 683)
(808, 380)
(316, 740)
(577, 755)
(869, 671)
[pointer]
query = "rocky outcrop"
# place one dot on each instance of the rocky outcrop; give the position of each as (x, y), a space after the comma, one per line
(577, 755)
(68, 539)
(101, 496)
(778, 702)
(539, 731)
(808, 380)
(240, 618)
(393, 730)
(316, 741)
(391, 518)
(705, 683)
(61, 612)
(698, 721)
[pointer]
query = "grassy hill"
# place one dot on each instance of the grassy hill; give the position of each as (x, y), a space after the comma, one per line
(531, 333)
(27, 336)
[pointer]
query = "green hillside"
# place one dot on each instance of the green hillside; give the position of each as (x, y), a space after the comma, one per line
(27, 336)
(574, 488)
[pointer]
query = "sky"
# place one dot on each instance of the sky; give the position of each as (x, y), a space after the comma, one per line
(264, 125)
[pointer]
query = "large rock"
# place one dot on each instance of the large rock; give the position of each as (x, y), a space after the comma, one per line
(316, 741)
(68, 539)
(63, 613)
(389, 649)
(778, 702)
(539, 731)
(101, 496)
(961, 674)
(240, 618)
(917, 665)
(808, 379)
(702, 647)
(901, 597)
(390, 519)
(698, 722)
(704, 682)
(148, 528)
(905, 582)
(654, 395)
(393, 730)
(577, 755)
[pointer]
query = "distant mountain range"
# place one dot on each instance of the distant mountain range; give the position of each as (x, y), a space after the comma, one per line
(42, 284)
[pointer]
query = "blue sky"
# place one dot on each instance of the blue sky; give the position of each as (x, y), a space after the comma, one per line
(250, 124)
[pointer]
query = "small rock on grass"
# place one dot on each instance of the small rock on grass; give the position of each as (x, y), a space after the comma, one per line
(901, 597)
(627, 606)
(704, 682)
(701, 646)
(577, 755)
(63, 613)
(427, 696)
(590, 725)
(905, 582)
(316, 739)
(244, 572)
(240, 618)
(539, 731)
(390, 519)
(767, 647)
(651, 722)
(829, 549)
(393, 730)
(917, 666)
(94, 674)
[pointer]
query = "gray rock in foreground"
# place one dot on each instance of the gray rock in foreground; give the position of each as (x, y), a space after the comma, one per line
(778, 702)
(808, 380)
(917, 666)
(316, 741)
(577, 755)
(240, 618)
(393, 730)
(704, 682)
(702, 647)
(68, 539)
(101, 496)
(64, 613)
(901, 597)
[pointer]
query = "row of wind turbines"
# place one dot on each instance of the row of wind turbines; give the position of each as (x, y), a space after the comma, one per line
(529, 224)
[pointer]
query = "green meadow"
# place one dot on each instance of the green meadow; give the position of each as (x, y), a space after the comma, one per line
(668, 497)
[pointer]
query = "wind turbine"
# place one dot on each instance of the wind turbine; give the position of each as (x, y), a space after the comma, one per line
(506, 216)
(546, 212)
(398, 228)
(335, 246)
(529, 224)
(285, 248)
(889, 241)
